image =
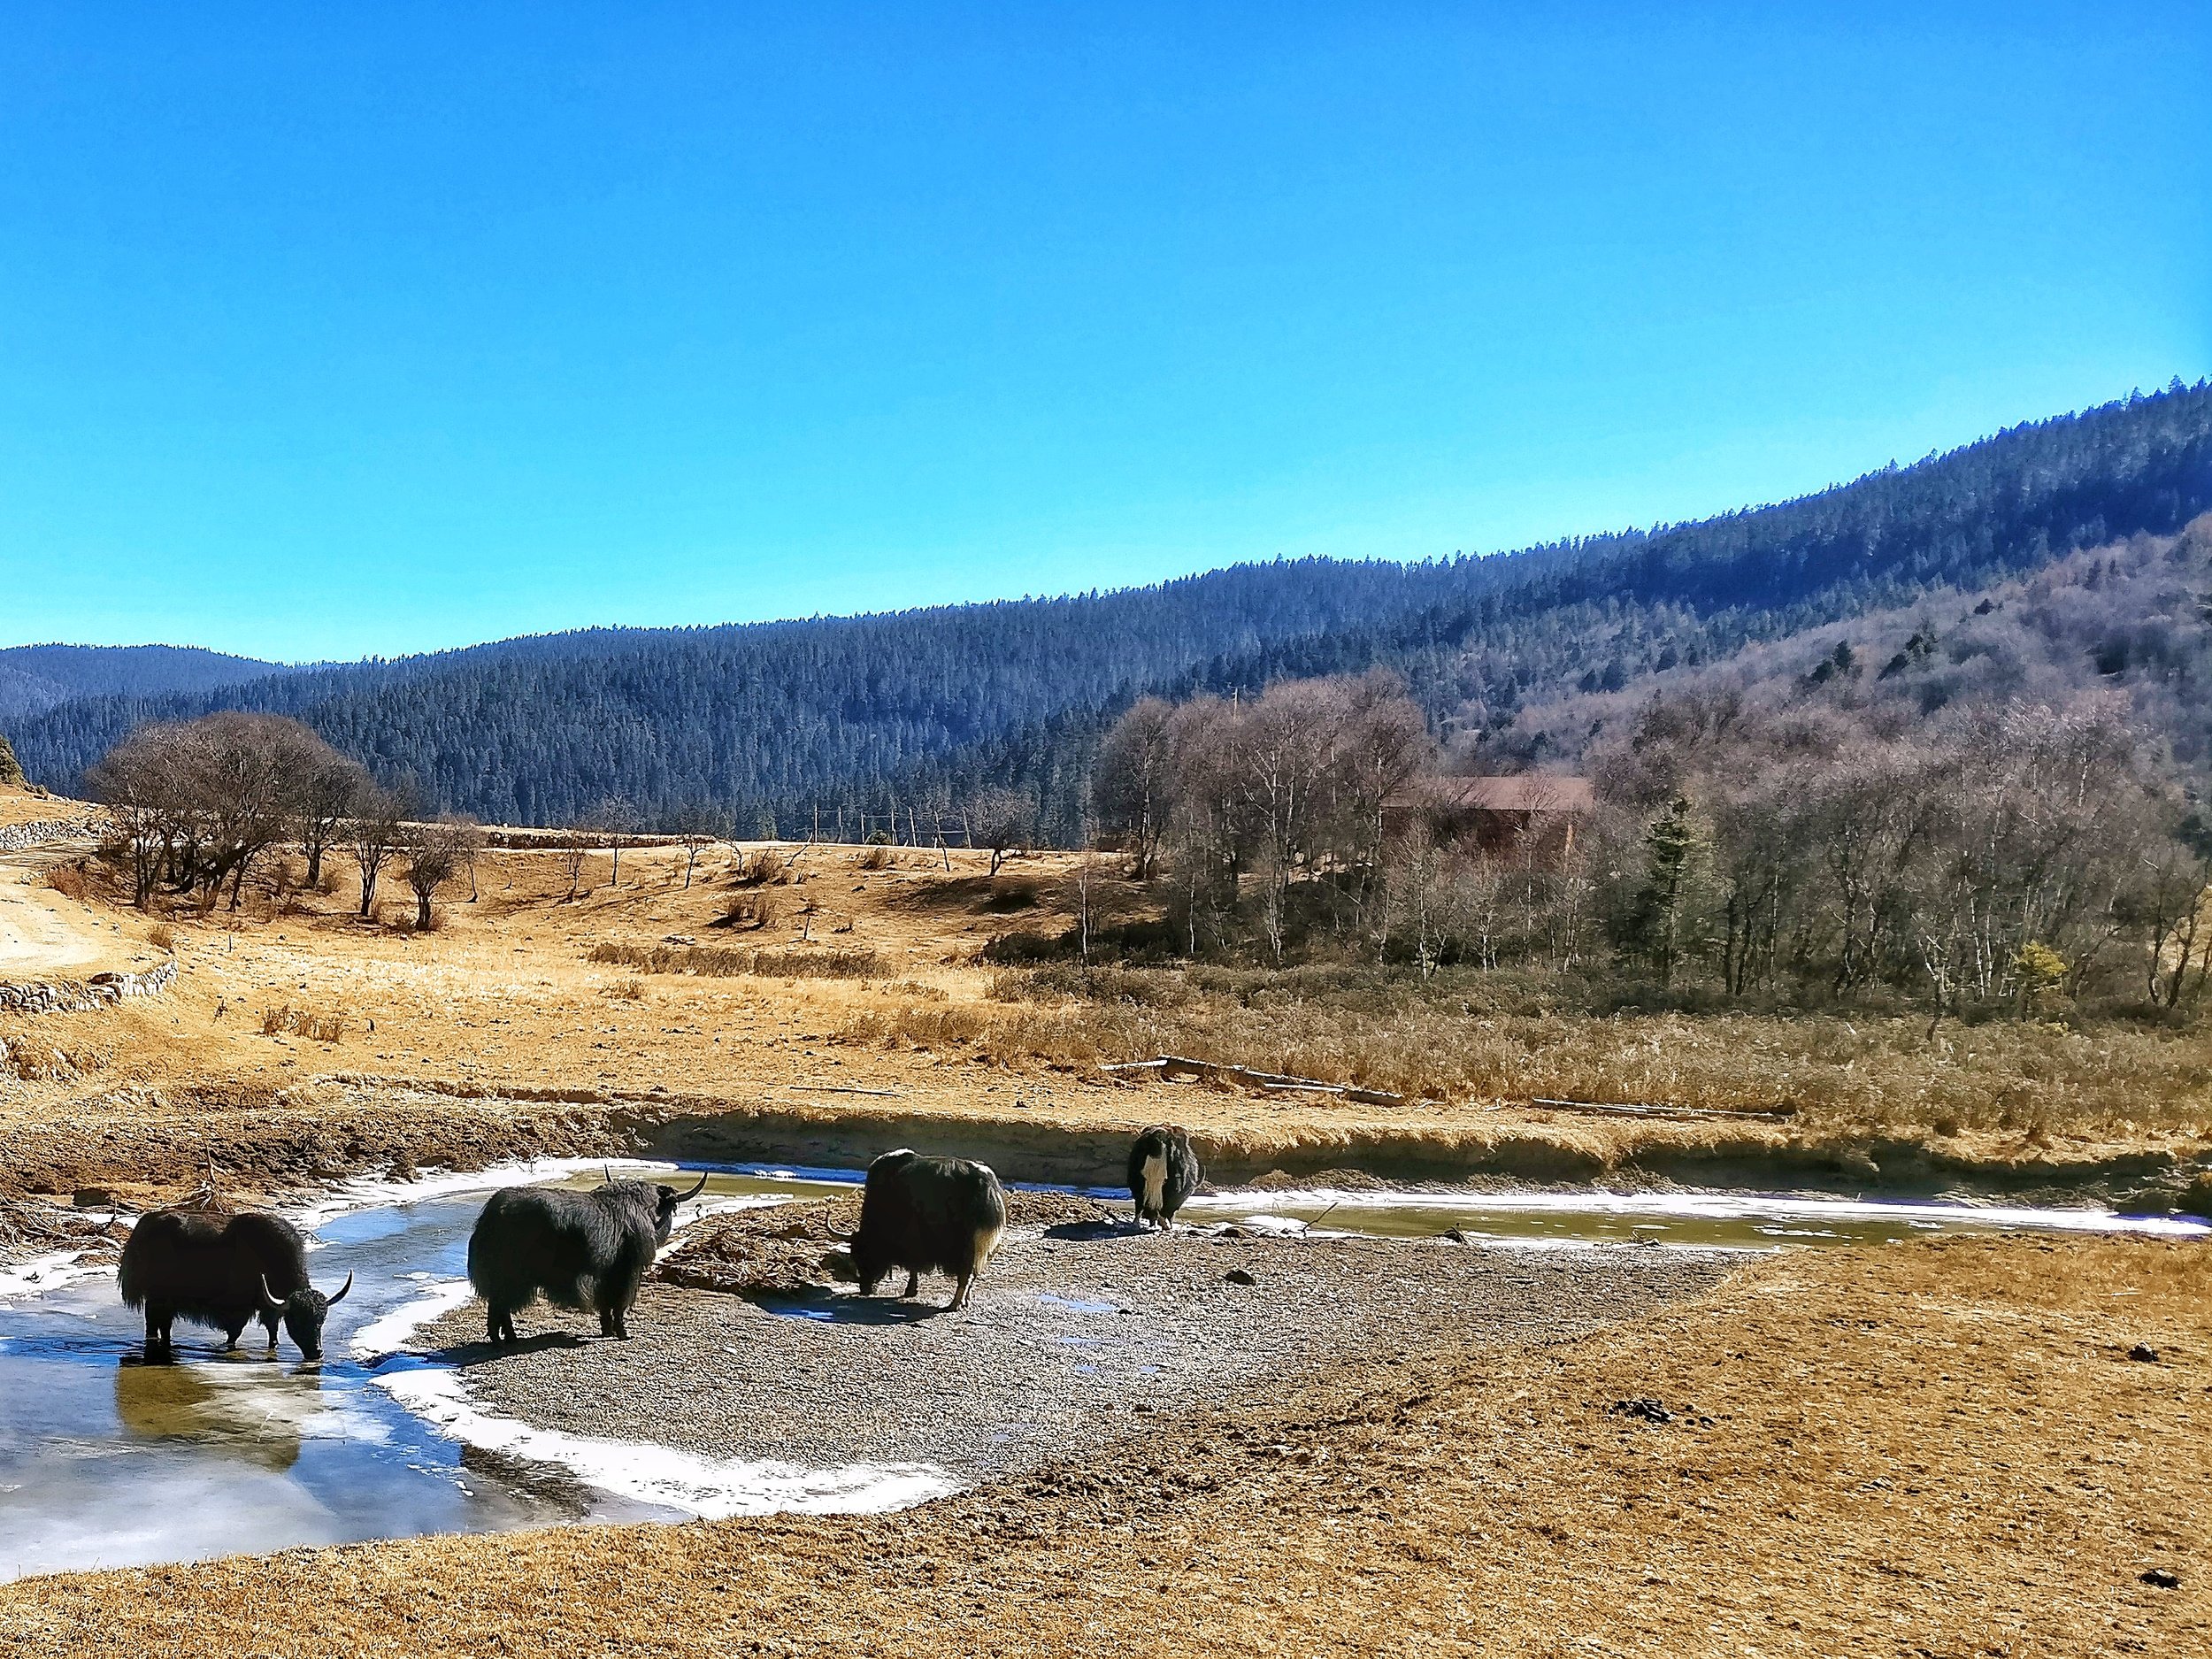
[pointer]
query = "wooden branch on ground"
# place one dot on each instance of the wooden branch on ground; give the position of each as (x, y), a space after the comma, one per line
(1620, 1108)
(1175, 1065)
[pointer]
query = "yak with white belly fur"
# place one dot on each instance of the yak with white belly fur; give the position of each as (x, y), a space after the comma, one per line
(1163, 1171)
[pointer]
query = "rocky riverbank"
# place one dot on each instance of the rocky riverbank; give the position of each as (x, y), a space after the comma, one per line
(1082, 1334)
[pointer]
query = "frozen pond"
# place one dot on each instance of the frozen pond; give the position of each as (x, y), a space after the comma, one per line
(107, 1462)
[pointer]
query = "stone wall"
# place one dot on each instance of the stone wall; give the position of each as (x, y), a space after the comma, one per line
(14, 838)
(70, 997)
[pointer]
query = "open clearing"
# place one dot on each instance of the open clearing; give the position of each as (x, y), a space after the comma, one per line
(1921, 1448)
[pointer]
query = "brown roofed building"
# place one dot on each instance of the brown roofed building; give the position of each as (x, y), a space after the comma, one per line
(1530, 811)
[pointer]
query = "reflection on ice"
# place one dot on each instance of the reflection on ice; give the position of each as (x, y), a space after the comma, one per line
(250, 1408)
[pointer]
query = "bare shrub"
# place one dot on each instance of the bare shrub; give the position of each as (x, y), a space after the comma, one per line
(843, 963)
(717, 962)
(627, 990)
(304, 1022)
(748, 912)
(877, 857)
(161, 936)
(709, 961)
(70, 880)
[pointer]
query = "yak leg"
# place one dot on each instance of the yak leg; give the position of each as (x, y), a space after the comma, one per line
(156, 1329)
(499, 1324)
(913, 1287)
(232, 1333)
(269, 1322)
(960, 1293)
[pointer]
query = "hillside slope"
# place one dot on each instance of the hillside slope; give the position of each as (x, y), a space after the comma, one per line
(36, 678)
(771, 720)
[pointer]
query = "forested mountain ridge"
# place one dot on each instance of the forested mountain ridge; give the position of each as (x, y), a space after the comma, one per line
(771, 720)
(34, 677)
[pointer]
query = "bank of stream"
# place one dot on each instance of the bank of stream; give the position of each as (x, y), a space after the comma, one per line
(105, 1461)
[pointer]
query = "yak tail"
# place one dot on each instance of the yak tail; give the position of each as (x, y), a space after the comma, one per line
(987, 1240)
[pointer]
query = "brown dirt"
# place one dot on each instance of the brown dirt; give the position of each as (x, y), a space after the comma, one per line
(1939, 1448)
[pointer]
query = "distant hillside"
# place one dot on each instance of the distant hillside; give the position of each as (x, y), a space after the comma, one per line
(2132, 620)
(769, 720)
(36, 678)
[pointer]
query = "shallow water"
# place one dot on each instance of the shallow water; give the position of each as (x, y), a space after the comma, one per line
(106, 1462)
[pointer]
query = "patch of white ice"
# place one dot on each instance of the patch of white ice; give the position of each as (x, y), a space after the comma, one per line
(1710, 1207)
(709, 1487)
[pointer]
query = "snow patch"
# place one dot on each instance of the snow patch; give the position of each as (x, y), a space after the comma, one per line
(38, 1274)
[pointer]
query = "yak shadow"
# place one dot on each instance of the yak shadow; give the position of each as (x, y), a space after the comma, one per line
(463, 1355)
(1089, 1232)
(828, 1308)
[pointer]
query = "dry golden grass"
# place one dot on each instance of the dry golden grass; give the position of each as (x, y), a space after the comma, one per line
(1880, 1072)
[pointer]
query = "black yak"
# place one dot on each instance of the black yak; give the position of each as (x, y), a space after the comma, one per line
(224, 1273)
(584, 1251)
(1163, 1171)
(927, 1215)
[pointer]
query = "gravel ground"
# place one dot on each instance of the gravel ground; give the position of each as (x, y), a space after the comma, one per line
(1075, 1335)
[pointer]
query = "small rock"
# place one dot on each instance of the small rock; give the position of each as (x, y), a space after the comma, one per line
(1642, 1407)
(2161, 1580)
(2145, 1353)
(1238, 1276)
(93, 1198)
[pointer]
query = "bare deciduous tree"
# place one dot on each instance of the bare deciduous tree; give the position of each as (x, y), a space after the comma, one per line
(375, 832)
(436, 853)
(1000, 820)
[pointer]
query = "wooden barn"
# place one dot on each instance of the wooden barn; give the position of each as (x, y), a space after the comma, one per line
(1529, 812)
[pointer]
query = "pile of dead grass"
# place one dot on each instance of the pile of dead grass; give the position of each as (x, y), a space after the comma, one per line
(718, 961)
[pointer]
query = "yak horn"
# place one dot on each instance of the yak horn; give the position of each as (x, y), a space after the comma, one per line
(695, 1191)
(268, 1303)
(340, 1296)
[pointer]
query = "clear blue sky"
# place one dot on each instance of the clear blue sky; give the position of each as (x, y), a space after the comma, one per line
(335, 330)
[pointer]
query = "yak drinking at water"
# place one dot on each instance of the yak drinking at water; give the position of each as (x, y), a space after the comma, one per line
(586, 1251)
(1163, 1171)
(927, 1215)
(224, 1273)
